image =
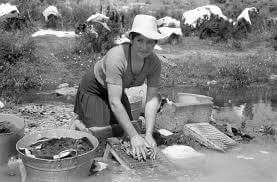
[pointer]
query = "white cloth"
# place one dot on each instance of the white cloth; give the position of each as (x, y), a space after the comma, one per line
(50, 10)
(168, 31)
(42, 32)
(191, 16)
(181, 152)
(97, 17)
(165, 132)
(245, 14)
(168, 21)
(7, 8)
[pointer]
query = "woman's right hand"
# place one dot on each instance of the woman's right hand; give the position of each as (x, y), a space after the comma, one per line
(139, 147)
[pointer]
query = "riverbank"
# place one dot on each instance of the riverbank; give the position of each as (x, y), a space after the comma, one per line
(193, 62)
(252, 161)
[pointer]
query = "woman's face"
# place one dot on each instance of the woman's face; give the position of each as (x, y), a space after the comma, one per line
(143, 46)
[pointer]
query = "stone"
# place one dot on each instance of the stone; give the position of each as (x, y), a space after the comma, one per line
(63, 85)
(2, 105)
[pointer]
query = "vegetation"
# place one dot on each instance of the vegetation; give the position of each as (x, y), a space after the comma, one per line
(24, 66)
(226, 71)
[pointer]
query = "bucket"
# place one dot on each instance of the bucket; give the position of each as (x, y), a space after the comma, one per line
(8, 140)
(63, 170)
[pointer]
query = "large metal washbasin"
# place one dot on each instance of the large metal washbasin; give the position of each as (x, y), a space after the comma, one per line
(8, 140)
(60, 170)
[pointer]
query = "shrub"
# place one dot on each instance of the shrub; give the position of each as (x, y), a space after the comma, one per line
(245, 72)
(129, 16)
(237, 71)
(88, 43)
(31, 10)
(75, 14)
(18, 66)
(214, 26)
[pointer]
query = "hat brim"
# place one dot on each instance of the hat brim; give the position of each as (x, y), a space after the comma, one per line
(148, 34)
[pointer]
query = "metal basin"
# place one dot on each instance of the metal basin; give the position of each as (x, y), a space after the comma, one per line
(63, 170)
(8, 140)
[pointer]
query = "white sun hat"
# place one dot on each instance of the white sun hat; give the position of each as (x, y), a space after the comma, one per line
(146, 25)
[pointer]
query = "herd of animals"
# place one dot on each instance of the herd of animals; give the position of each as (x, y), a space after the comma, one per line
(205, 21)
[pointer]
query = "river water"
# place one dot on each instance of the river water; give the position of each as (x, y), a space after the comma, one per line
(250, 162)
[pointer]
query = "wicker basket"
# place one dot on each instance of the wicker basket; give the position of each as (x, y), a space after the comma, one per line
(209, 136)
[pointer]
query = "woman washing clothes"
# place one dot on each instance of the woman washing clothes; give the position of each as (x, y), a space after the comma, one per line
(101, 101)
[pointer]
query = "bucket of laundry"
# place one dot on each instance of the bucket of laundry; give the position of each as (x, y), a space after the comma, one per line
(57, 155)
(11, 130)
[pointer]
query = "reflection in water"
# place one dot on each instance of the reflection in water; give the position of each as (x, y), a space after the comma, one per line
(254, 105)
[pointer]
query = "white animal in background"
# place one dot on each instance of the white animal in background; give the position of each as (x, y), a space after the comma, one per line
(8, 10)
(168, 22)
(191, 17)
(50, 10)
(245, 14)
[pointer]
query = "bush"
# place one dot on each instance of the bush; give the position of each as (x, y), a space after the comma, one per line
(214, 26)
(235, 72)
(75, 14)
(88, 43)
(18, 66)
(243, 73)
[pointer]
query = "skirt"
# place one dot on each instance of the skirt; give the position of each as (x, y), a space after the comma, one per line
(92, 104)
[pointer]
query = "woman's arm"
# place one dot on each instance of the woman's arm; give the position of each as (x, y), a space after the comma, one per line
(151, 107)
(114, 94)
(137, 142)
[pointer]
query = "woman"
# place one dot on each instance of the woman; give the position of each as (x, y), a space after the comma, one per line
(101, 99)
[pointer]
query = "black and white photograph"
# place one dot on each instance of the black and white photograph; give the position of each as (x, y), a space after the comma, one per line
(138, 90)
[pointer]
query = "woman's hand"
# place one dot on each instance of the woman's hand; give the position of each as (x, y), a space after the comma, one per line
(151, 143)
(139, 147)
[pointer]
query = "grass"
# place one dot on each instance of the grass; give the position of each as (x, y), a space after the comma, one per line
(45, 62)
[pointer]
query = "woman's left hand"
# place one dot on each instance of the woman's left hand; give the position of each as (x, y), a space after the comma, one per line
(152, 144)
